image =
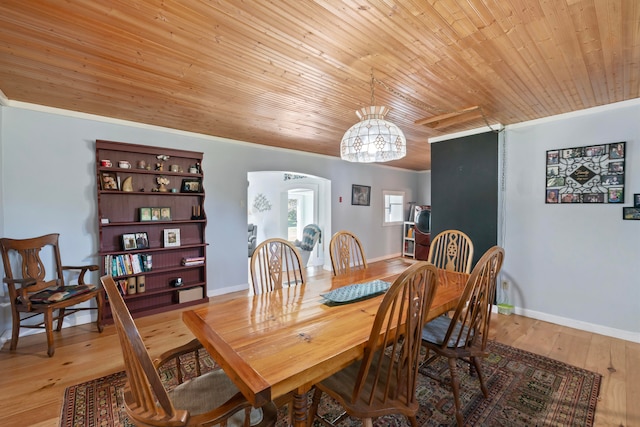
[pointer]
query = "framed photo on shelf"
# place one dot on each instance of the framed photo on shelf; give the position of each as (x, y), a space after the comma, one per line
(145, 214)
(129, 242)
(360, 195)
(165, 214)
(191, 185)
(630, 213)
(636, 200)
(109, 181)
(171, 237)
(142, 241)
(155, 214)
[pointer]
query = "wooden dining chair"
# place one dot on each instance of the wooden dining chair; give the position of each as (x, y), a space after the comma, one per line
(346, 253)
(206, 399)
(451, 250)
(384, 381)
(275, 264)
(464, 335)
(35, 291)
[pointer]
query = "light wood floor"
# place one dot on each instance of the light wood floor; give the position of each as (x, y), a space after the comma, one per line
(32, 385)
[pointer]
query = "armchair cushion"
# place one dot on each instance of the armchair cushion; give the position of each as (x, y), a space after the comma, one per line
(61, 293)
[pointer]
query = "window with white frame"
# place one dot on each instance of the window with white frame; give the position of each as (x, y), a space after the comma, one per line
(393, 207)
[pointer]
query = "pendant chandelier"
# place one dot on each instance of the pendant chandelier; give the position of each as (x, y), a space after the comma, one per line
(373, 139)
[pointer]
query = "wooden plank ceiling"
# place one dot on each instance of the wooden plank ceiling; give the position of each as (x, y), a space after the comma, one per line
(292, 73)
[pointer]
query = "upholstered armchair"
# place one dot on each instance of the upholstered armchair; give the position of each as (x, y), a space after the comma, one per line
(311, 235)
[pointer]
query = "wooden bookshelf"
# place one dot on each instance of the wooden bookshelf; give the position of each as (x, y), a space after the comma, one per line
(126, 198)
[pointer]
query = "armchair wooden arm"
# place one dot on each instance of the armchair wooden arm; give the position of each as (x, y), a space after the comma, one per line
(83, 269)
(20, 293)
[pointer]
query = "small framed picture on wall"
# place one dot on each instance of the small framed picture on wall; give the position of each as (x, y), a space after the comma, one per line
(360, 195)
(630, 213)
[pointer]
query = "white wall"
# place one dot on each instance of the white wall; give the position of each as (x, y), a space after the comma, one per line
(49, 185)
(573, 264)
(424, 189)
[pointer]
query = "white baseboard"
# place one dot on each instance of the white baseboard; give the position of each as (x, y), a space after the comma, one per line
(227, 290)
(578, 324)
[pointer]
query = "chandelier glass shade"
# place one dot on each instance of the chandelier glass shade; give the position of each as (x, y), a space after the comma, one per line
(373, 139)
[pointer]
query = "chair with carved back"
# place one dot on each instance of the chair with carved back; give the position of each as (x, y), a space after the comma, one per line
(346, 253)
(35, 290)
(464, 335)
(207, 398)
(276, 263)
(384, 381)
(451, 250)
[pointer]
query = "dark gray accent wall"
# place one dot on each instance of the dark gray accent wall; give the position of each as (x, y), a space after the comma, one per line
(464, 189)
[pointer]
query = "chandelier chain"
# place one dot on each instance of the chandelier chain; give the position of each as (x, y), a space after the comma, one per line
(373, 97)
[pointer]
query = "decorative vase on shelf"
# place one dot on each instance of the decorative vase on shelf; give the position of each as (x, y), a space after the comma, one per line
(162, 183)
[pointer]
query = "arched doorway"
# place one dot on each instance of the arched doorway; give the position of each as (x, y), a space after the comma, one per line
(282, 203)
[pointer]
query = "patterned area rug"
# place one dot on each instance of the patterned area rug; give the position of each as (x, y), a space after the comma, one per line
(524, 390)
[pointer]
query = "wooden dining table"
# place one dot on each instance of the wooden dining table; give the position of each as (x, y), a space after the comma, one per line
(287, 340)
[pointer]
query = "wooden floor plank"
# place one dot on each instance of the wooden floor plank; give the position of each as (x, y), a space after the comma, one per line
(632, 382)
(607, 357)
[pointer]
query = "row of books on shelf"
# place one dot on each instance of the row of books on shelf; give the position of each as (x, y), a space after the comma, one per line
(198, 260)
(121, 265)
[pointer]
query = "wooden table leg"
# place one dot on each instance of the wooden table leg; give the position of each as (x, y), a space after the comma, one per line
(300, 408)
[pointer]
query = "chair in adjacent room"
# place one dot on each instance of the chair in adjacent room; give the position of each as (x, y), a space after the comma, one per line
(464, 335)
(275, 264)
(35, 291)
(384, 381)
(346, 253)
(452, 250)
(252, 236)
(206, 399)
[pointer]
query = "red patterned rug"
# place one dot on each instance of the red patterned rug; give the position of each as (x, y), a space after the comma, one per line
(524, 390)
